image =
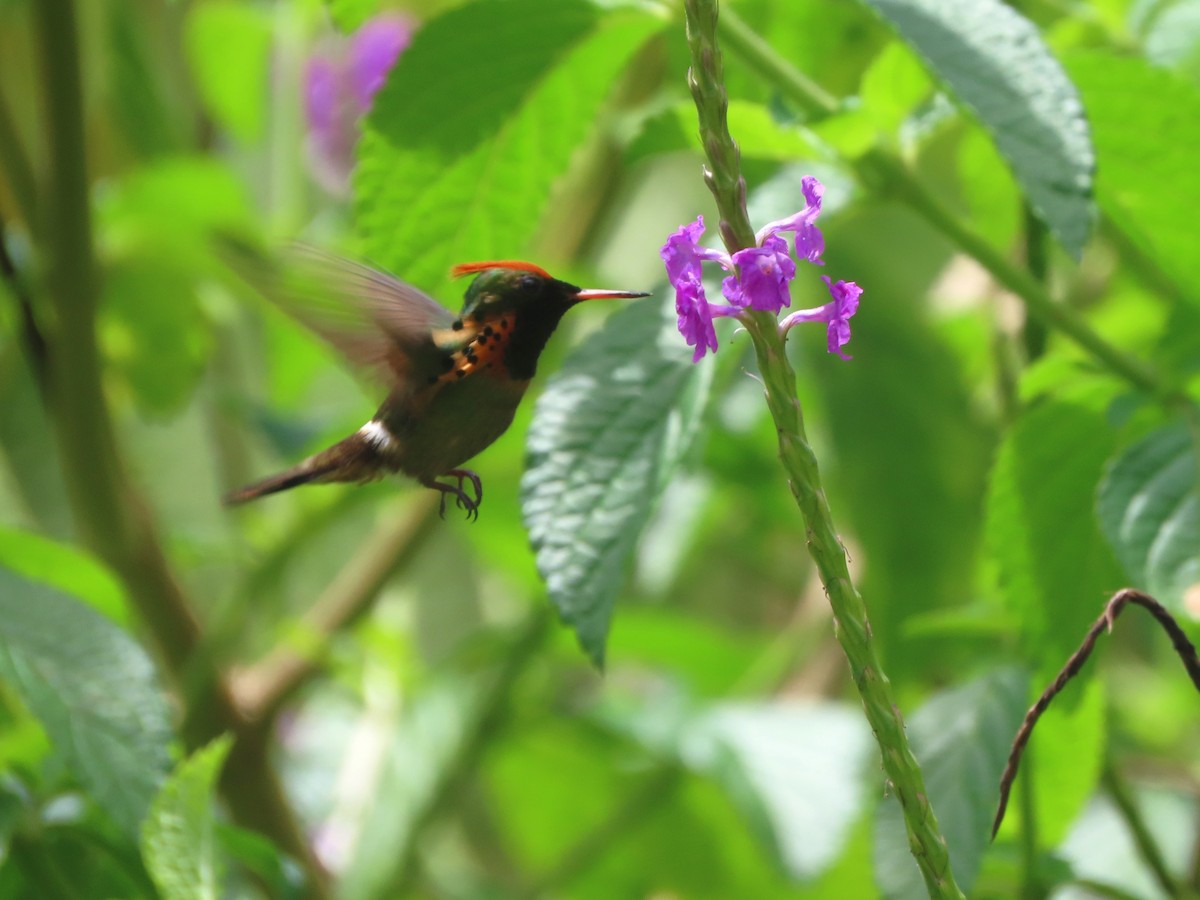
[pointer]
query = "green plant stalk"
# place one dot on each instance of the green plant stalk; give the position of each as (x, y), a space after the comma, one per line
(1143, 840)
(15, 163)
(882, 172)
(851, 624)
(111, 517)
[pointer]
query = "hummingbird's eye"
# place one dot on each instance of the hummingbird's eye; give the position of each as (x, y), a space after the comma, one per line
(531, 284)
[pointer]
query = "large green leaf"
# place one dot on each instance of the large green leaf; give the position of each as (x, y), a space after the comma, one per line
(66, 568)
(477, 122)
(994, 61)
(961, 738)
(1150, 511)
(179, 834)
(606, 434)
(802, 764)
(229, 47)
(94, 690)
(1101, 849)
(1147, 187)
(1055, 568)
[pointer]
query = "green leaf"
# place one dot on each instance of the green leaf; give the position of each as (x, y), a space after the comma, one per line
(1101, 849)
(229, 47)
(1055, 568)
(478, 120)
(606, 433)
(994, 61)
(961, 738)
(154, 333)
(349, 15)
(1146, 187)
(66, 568)
(1150, 511)
(1172, 36)
(892, 87)
(179, 834)
(1064, 758)
(94, 690)
(802, 764)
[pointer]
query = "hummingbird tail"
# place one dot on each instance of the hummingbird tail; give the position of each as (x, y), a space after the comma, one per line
(304, 473)
(352, 459)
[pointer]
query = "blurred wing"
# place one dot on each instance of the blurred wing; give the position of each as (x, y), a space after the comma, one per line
(377, 322)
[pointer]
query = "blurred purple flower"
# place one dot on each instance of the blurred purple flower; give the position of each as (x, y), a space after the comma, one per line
(836, 313)
(762, 278)
(341, 81)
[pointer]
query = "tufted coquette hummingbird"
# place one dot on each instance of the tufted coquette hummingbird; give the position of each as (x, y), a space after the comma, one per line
(454, 383)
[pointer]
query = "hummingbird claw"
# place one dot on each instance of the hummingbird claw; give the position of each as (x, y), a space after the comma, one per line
(461, 498)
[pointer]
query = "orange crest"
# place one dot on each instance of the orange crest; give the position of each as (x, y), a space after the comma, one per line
(471, 268)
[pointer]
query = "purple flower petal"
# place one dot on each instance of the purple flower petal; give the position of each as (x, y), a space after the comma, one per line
(836, 314)
(340, 82)
(765, 274)
(695, 318)
(683, 256)
(374, 49)
(810, 242)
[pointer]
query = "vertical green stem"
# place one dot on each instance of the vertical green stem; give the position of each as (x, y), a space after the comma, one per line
(850, 613)
(15, 164)
(1146, 845)
(111, 517)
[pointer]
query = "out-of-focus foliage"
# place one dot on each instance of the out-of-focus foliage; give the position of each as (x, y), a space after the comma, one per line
(406, 682)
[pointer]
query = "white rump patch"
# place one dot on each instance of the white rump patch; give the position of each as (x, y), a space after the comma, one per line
(376, 434)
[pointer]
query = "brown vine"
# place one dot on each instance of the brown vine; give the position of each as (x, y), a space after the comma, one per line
(1179, 640)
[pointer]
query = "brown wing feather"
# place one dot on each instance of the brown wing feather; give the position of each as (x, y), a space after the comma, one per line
(377, 322)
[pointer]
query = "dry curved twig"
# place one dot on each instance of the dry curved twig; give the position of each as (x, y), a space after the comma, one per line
(1179, 640)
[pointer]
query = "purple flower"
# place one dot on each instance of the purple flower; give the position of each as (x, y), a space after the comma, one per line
(341, 81)
(682, 256)
(765, 273)
(810, 243)
(836, 313)
(695, 318)
(761, 279)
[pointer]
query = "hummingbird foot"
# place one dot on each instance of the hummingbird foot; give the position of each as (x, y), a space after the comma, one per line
(461, 498)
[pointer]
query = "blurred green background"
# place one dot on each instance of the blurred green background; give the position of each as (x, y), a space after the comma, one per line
(435, 730)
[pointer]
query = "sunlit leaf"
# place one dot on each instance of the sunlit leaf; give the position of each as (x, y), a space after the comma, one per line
(64, 567)
(1055, 568)
(994, 61)
(477, 122)
(892, 87)
(1101, 849)
(1146, 187)
(961, 737)
(94, 690)
(1150, 510)
(804, 765)
(1064, 759)
(606, 433)
(350, 14)
(179, 835)
(229, 45)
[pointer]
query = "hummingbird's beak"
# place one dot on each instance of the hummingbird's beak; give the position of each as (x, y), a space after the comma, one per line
(591, 294)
